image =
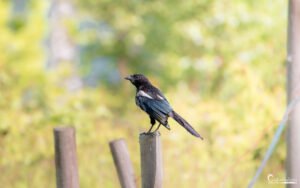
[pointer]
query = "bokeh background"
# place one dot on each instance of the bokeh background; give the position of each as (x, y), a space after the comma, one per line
(220, 63)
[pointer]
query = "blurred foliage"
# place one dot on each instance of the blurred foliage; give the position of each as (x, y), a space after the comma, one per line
(220, 64)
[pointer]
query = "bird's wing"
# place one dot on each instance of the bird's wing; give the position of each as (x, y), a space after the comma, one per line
(152, 92)
(156, 108)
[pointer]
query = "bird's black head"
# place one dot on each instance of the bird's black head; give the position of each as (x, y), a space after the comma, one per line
(137, 80)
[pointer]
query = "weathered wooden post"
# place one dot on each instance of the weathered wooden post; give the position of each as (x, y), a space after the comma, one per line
(65, 158)
(293, 82)
(123, 164)
(151, 160)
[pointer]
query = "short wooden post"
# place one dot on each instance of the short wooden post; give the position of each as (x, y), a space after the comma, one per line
(151, 160)
(123, 164)
(65, 158)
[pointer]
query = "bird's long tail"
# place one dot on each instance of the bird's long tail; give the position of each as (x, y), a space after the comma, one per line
(185, 124)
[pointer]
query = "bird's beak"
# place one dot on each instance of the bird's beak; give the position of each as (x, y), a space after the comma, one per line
(128, 78)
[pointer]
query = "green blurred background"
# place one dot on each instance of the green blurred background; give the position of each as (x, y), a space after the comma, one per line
(221, 64)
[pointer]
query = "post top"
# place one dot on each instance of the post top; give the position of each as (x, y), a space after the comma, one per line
(63, 128)
(117, 141)
(152, 134)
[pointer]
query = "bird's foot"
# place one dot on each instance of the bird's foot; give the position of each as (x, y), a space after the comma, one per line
(151, 133)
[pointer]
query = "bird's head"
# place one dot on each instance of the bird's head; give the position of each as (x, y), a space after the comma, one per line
(137, 79)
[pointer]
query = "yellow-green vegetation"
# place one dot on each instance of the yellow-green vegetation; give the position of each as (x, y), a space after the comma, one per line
(220, 64)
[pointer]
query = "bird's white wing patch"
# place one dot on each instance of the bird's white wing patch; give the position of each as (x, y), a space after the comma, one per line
(160, 97)
(143, 94)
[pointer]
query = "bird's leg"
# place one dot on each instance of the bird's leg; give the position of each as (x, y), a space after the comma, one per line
(157, 127)
(152, 121)
(149, 131)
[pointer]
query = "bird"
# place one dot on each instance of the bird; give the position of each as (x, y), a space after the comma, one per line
(151, 100)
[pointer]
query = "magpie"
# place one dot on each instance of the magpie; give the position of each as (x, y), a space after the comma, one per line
(154, 103)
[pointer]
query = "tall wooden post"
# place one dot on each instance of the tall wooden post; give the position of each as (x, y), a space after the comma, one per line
(293, 90)
(65, 158)
(151, 160)
(123, 164)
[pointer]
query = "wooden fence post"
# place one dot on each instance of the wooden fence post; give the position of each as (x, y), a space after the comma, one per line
(123, 164)
(151, 160)
(293, 83)
(65, 158)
